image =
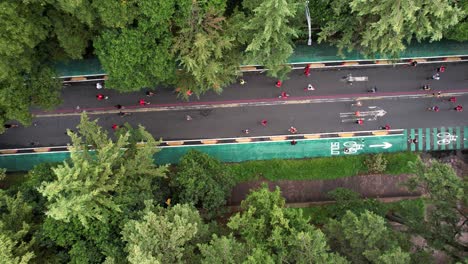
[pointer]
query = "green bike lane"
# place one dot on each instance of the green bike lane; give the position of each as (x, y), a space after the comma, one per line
(276, 147)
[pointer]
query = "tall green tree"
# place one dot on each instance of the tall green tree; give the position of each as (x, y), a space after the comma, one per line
(446, 202)
(267, 228)
(460, 31)
(386, 27)
(223, 249)
(203, 181)
(366, 238)
(270, 34)
(16, 229)
(139, 56)
(163, 235)
(204, 49)
(89, 184)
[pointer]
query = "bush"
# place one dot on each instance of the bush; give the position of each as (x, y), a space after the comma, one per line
(376, 163)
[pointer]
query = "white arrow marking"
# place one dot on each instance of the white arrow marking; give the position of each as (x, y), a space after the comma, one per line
(385, 145)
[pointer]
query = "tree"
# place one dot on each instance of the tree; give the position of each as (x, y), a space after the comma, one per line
(386, 27)
(348, 200)
(203, 181)
(226, 250)
(460, 31)
(365, 238)
(16, 228)
(266, 227)
(204, 49)
(88, 186)
(270, 34)
(163, 235)
(137, 57)
(446, 200)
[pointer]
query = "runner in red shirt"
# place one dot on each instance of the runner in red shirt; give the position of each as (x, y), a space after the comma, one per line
(453, 99)
(359, 122)
(264, 122)
(115, 127)
(100, 97)
(278, 83)
(307, 70)
(143, 102)
(459, 108)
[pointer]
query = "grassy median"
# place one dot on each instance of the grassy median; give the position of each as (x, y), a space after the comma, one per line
(317, 168)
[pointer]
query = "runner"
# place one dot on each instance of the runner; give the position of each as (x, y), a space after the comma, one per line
(414, 63)
(246, 131)
(307, 70)
(119, 106)
(264, 122)
(441, 69)
(188, 117)
(122, 114)
(458, 108)
(278, 84)
(373, 90)
(115, 127)
(358, 103)
(149, 93)
(292, 130)
(426, 87)
(143, 102)
(386, 127)
(101, 97)
(293, 142)
(310, 87)
(433, 108)
(242, 81)
(98, 86)
(452, 99)
(360, 122)
(284, 95)
(436, 76)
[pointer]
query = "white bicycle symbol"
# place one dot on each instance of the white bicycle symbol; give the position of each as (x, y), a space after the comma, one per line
(445, 138)
(352, 147)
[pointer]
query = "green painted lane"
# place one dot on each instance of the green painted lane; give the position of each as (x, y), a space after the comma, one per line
(420, 139)
(428, 139)
(306, 148)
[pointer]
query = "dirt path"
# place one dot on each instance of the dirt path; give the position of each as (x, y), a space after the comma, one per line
(370, 186)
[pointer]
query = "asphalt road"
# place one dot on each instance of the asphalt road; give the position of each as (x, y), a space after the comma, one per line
(388, 79)
(229, 122)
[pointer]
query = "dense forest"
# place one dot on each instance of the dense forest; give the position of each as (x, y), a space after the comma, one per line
(195, 45)
(109, 203)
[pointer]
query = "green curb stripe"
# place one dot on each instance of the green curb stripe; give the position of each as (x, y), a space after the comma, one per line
(442, 133)
(428, 139)
(413, 146)
(420, 139)
(435, 146)
(465, 137)
(450, 145)
(459, 138)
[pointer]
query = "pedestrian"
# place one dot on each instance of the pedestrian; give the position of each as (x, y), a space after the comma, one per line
(119, 106)
(310, 87)
(458, 108)
(452, 99)
(358, 103)
(115, 127)
(143, 102)
(415, 141)
(7, 126)
(307, 70)
(292, 130)
(359, 121)
(189, 93)
(246, 131)
(264, 122)
(386, 127)
(279, 83)
(414, 63)
(373, 90)
(98, 86)
(293, 142)
(149, 93)
(188, 117)
(357, 113)
(242, 81)
(441, 69)
(436, 76)
(426, 87)
(439, 94)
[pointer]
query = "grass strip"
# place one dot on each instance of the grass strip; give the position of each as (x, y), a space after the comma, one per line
(316, 168)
